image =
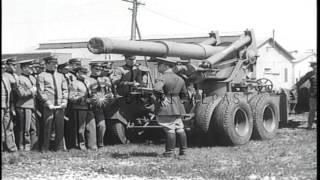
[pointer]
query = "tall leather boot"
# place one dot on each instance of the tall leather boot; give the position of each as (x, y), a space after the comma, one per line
(182, 142)
(170, 145)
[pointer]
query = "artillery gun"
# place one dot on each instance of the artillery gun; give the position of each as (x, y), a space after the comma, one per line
(233, 105)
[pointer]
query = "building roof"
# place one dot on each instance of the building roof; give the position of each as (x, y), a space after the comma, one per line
(270, 40)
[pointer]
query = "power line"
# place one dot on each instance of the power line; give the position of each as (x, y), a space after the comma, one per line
(173, 19)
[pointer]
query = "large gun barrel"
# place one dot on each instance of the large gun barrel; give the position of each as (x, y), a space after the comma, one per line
(154, 49)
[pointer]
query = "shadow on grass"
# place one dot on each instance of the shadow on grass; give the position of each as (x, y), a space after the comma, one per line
(133, 154)
(292, 124)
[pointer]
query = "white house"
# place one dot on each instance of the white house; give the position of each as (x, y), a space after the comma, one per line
(275, 63)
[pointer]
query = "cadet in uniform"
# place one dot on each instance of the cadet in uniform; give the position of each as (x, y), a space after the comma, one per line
(169, 110)
(7, 133)
(80, 95)
(99, 84)
(27, 121)
(53, 92)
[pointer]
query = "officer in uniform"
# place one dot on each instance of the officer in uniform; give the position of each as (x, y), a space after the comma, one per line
(38, 67)
(53, 92)
(25, 105)
(80, 96)
(313, 95)
(170, 88)
(7, 133)
(99, 84)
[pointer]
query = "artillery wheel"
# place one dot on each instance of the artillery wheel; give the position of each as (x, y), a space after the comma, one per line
(265, 117)
(264, 84)
(234, 122)
(204, 111)
(118, 132)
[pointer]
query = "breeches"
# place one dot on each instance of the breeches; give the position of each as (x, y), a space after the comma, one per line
(171, 124)
(7, 133)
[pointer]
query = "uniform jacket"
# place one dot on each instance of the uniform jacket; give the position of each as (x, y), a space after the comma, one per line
(26, 97)
(5, 91)
(79, 94)
(12, 78)
(46, 90)
(172, 87)
(125, 74)
(313, 85)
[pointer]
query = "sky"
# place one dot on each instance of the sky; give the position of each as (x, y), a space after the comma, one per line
(25, 24)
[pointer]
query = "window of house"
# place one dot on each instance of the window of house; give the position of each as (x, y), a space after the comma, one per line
(285, 75)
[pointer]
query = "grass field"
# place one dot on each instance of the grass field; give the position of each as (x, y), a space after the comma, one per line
(291, 154)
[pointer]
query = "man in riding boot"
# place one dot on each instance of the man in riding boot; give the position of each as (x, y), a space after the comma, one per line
(313, 95)
(25, 107)
(52, 90)
(170, 87)
(80, 97)
(7, 132)
(99, 84)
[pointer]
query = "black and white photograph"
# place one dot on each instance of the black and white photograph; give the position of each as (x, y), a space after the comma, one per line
(159, 89)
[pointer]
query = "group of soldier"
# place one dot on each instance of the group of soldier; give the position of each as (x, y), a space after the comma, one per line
(52, 106)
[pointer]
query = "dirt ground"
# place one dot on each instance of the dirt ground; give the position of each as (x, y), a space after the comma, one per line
(292, 154)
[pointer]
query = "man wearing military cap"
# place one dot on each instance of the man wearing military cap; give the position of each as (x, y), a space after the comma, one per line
(313, 91)
(7, 132)
(170, 88)
(127, 76)
(27, 122)
(80, 96)
(52, 89)
(99, 85)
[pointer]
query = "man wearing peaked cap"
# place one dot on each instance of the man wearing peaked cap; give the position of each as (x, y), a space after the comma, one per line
(99, 85)
(27, 124)
(52, 90)
(80, 97)
(7, 131)
(171, 88)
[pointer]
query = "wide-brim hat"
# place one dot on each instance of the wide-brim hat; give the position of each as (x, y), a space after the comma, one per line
(64, 66)
(75, 61)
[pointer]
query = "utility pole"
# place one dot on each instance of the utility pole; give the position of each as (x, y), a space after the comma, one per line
(134, 25)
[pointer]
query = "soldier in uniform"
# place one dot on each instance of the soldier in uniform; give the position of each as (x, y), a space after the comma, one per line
(99, 84)
(168, 112)
(313, 95)
(80, 96)
(7, 133)
(25, 105)
(52, 90)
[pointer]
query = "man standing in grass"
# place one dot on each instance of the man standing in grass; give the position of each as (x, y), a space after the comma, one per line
(170, 88)
(25, 107)
(52, 90)
(7, 133)
(313, 95)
